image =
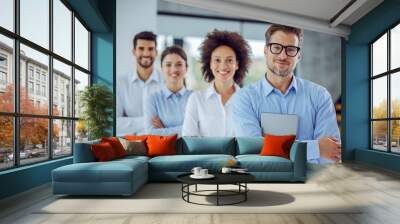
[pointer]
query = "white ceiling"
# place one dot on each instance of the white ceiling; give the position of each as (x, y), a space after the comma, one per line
(319, 9)
(316, 15)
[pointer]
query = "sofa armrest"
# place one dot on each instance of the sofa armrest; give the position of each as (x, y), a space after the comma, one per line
(83, 152)
(298, 155)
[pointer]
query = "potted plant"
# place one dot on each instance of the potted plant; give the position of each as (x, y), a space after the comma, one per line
(96, 102)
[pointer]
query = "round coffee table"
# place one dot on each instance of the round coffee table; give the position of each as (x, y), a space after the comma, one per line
(238, 179)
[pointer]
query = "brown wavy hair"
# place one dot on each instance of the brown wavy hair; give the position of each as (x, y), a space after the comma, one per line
(286, 29)
(231, 39)
(175, 49)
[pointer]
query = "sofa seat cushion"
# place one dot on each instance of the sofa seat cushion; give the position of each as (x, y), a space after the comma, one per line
(185, 163)
(112, 171)
(257, 163)
(133, 158)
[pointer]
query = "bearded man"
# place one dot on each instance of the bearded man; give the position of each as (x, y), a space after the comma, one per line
(133, 88)
(282, 92)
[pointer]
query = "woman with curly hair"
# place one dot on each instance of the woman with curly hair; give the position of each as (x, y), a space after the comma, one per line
(225, 61)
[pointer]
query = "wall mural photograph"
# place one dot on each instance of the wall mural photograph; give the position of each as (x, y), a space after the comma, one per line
(223, 80)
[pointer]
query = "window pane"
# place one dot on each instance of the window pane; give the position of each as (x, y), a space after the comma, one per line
(379, 135)
(62, 89)
(34, 72)
(81, 81)
(379, 97)
(81, 45)
(6, 142)
(395, 136)
(33, 139)
(35, 21)
(395, 94)
(62, 138)
(193, 77)
(6, 74)
(81, 131)
(379, 55)
(257, 66)
(395, 47)
(62, 29)
(7, 14)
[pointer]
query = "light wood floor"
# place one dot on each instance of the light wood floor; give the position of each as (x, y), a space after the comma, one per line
(378, 188)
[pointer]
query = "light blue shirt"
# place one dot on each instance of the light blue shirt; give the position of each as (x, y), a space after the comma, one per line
(169, 107)
(132, 93)
(312, 104)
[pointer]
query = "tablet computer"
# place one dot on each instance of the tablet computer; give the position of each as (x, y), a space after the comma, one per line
(279, 124)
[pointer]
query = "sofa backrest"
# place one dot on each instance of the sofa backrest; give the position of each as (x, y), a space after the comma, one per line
(206, 145)
(249, 145)
(190, 146)
(83, 152)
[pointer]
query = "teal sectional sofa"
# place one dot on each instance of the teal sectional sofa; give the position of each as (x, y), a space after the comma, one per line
(125, 176)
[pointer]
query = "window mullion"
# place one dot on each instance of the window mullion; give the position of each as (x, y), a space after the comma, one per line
(50, 81)
(73, 82)
(371, 98)
(389, 106)
(16, 70)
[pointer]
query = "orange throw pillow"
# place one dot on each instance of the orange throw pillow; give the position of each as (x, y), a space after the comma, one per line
(161, 145)
(116, 145)
(136, 137)
(103, 152)
(277, 145)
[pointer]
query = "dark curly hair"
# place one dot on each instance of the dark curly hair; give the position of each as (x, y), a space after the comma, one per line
(231, 39)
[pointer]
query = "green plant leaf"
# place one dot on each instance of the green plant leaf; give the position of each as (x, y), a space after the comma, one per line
(96, 102)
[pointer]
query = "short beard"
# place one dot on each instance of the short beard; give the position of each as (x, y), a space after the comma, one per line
(278, 72)
(146, 66)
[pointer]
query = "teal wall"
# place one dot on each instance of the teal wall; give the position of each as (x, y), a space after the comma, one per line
(103, 51)
(24, 178)
(356, 97)
(99, 15)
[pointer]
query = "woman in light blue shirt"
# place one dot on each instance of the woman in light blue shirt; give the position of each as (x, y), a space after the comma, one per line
(165, 109)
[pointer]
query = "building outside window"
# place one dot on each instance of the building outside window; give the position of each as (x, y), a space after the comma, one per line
(3, 61)
(43, 90)
(30, 87)
(38, 89)
(30, 72)
(3, 72)
(44, 77)
(3, 78)
(38, 75)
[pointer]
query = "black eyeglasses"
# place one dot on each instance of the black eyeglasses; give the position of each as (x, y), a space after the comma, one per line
(290, 51)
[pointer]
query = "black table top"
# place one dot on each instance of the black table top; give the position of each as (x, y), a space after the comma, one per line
(220, 178)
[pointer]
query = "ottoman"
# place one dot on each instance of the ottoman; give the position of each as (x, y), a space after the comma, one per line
(119, 177)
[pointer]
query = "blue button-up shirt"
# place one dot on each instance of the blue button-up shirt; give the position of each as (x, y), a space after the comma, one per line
(169, 107)
(312, 104)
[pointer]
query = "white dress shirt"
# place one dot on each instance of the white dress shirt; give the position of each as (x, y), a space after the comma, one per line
(131, 95)
(206, 115)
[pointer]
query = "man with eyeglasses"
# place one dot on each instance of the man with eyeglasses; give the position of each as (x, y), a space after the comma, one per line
(281, 92)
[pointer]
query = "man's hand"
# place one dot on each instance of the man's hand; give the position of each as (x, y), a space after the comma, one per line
(156, 122)
(330, 148)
